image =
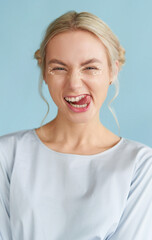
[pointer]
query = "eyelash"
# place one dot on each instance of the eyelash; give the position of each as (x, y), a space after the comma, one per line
(60, 68)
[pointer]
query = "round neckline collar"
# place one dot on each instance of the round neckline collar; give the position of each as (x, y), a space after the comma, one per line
(116, 146)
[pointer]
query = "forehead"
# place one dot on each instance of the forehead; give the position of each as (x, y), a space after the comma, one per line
(75, 45)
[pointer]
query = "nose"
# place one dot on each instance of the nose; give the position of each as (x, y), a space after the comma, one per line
(74, 80)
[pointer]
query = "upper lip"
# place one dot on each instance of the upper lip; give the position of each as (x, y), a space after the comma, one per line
(77, 95)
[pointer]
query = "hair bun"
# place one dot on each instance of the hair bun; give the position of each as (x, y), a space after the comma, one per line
(38, 57)
(121, 56)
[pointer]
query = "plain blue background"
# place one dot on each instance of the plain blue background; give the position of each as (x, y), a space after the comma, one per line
(22, 25)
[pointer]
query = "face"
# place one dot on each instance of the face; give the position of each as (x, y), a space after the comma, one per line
(76, 64)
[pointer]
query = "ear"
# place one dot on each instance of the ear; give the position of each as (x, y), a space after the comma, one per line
(45, 81)
(44, 78)
(115, 71)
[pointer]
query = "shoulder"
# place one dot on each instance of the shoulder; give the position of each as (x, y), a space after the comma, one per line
(9, 144)
(133, 151)
(9, 140)
(141, 154)
(136, 145)
(136, 148)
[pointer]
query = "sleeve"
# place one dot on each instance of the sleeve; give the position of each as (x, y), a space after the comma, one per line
(5, 228)
(136, 220)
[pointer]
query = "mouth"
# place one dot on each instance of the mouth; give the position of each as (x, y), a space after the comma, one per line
(85, 94)
(80, 106)
(79, 101)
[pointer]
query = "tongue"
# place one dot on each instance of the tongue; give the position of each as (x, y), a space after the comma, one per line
(84, 100)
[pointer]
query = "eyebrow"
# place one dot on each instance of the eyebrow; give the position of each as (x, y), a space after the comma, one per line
(92, 60)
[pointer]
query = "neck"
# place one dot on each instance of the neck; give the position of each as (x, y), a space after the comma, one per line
(77, 134)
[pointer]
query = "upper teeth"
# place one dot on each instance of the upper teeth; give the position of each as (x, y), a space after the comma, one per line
(75, 99)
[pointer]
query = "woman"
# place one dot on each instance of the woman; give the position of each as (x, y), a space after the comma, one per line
(72, 178)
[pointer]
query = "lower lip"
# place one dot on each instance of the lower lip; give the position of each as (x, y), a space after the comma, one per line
(78, 110)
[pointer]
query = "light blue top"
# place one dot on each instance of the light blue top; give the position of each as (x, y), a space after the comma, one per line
(48, 195)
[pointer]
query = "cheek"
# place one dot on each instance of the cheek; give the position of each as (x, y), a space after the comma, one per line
(99, 83)
(99, 88)
(55, 88)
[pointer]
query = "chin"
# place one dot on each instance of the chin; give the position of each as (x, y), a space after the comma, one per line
(79, 119)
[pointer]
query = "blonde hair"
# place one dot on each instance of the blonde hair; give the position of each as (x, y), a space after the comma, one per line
(72, 20)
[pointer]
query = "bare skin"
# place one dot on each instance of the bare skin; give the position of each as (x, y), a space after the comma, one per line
(70, 132)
